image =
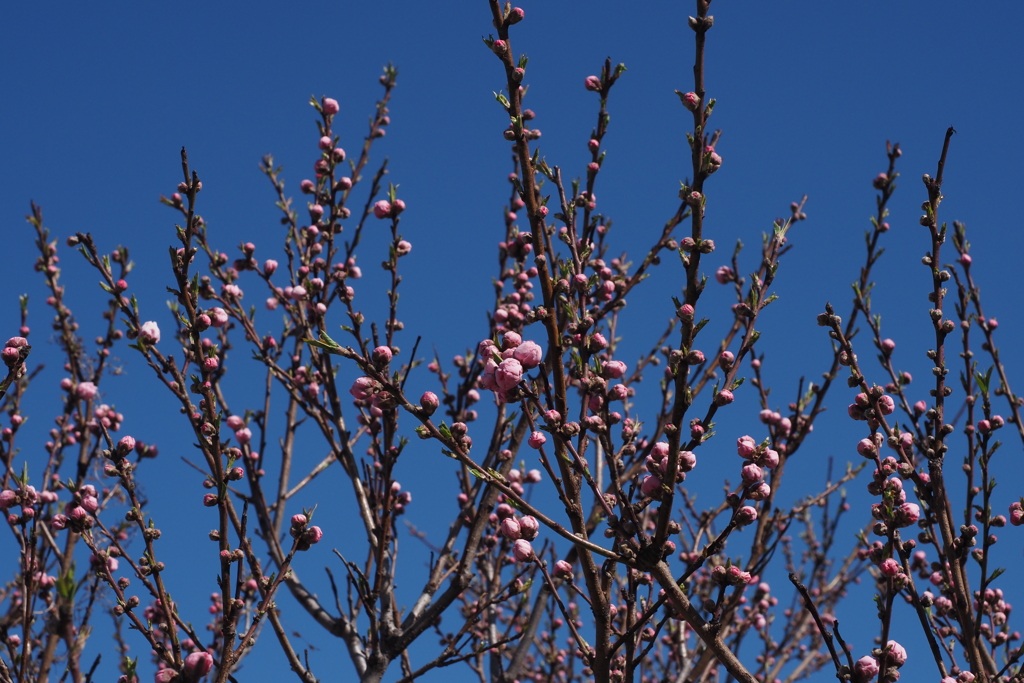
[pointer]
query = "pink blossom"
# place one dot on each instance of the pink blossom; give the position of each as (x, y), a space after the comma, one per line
(508, 374)
(769, 459)
(235, 422)
(269, 266)
(243, 435)
(592, 83)
(330, 106)
(537, 439)
(724, 275)
(724, 397)
(563, 570)
(86, 390)
(690, 100)
(363, 388)
(149, 332)
(382, 209)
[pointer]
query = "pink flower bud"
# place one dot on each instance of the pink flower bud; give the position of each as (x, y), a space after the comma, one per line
(211, 364)
(508, 374)
(126, 445)
(382, 209)
(897, 653)
(197, 665)
(866, 668)
(886, 405)
(724, 275)
(510, 529)
(529, 354)
(592, 83)
(649, 485)
(867, 448)
(515, 16)
(522, 551)
(529, 527)
(330, 106)
(537, 439)
(880, 181)
(690, 100)
(269, 266)
(563, 570)
(724, 397)
(218, 316)
(613, 369)
(889, 567)
(382, 355)
(243, 435)
(149, 332)
(751, 473)
(235, 422)
(210, 500)
(307, 186)
(746, 515)
(745, 446)
(429, 402)
(312, 535)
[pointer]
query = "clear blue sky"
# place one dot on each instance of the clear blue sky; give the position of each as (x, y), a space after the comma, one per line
(99, 98)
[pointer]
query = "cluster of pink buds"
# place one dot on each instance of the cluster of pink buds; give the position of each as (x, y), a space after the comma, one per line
(504, 367)
(862, 409)
(757, 610)
(893, 655)
(105, 415)
(991, 424)
(385, 209)
(27, 498)
(757, 458)
(306, 535)
(1017, 513)
(13, 353)
(894, 508)
(657, 464)
(732, 576)
(783, 425)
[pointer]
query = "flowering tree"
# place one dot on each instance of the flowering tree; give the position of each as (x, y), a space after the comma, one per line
(577, 549)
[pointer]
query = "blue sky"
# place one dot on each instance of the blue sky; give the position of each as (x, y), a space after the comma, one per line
(98, 99)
